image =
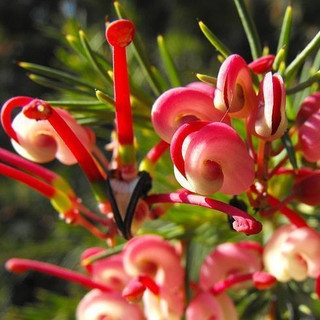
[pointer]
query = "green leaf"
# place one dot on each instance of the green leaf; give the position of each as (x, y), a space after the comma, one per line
(92, 59)
(220, 47)
(283, 43)
(58, 85)
(168, 62)
(207, 79)
(249, 28)
(301, 57)
(139, 54)
(286, 140)
(55, 74)
(303, 85)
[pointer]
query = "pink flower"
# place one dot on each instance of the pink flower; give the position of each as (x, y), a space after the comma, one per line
(268, 120)
(309, 137)
(293, 253)
(38, 141)
(97, 305)
(230, 259)
(182, 105)
(262, 64)
(235, 94)
(309, 106)
(155, 258)
(205, 306)
(208, 157)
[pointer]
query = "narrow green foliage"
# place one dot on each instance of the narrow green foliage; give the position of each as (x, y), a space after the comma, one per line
(163, 83)
(59, 85)
(249, 28)
(286, 140)
(206, 78)
(92, 59)
(301, 57)
(168, 63)
(283, 43)
(301, 86)
(140, 54)
(279, 60)
(220, 47)
(56, 74)
(104, 98)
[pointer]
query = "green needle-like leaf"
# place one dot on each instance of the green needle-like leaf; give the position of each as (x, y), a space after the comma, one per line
(249, 28)
(104, 98)
(55, 74)
(168, 62)
(206, 78)
(139, 53)
(163, 83)
(283, 43)
(92, 59)
(305, 84)
(301, 57)
(58, 85)
(286, 140)
(220, 47)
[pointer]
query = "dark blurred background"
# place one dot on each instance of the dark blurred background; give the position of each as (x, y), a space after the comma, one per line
(30, 31)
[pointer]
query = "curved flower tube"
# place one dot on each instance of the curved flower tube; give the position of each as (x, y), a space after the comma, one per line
(268, 121)
(182, 105)
(235, 93)
(293, 253)
(309, 137)
(97, 305)
(230, 259)
(207, 306)
(207, 157)
(37, 140)
(155, 258)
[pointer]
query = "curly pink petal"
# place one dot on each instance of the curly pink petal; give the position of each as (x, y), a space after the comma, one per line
(207, 306)
(235, 93)
(229, 259)
(181, 105)
(39, 142)
(97, 305)
(212, 157)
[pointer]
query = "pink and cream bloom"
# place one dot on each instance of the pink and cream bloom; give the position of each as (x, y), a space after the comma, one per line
(206, 306)
(97, 305)
(293, 253)
(268, 120)
(234, 93)
(152, 257)
(207, 157)
(230, 259)
(183, 105)
(37, 140)
(308, 120)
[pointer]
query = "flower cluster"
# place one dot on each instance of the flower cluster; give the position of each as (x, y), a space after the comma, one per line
(229, 137)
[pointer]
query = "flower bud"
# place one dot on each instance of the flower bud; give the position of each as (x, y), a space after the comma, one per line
(268, 121)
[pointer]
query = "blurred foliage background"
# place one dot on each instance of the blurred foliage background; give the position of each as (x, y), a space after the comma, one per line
(34, 31)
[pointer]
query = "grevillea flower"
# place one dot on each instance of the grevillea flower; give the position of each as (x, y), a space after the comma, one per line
(234, 93)
(37, 140)
(230, 259)
(182, 105)
(206, 306)
(156, 259)
(98, 305)
(309, 106)
(309, 138)
(207, 157)
(293, 253)
(268, 120)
